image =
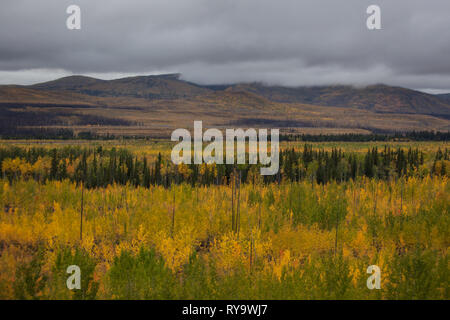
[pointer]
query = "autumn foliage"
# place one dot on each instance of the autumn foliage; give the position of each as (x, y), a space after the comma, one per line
(285, 239)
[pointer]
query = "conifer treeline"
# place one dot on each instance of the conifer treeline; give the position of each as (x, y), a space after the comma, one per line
(362, 137)
(98, 167)
(9, 130)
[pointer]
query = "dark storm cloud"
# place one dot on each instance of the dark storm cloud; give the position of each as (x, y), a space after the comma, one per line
(289, 42)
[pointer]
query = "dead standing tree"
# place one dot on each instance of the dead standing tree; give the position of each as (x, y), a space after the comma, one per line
(81, 211)
(235, 202)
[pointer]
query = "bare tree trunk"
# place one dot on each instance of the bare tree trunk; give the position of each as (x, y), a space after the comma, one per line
(336, 236)
(375, 201)
(173, 213)
(238, 209)
(232, 201)
(259, 215)
(401, 198)
(251, 252)
(81, 211)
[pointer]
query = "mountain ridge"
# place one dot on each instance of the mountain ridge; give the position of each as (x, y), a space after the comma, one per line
(380, 98)
(167, 86)
(156, 104)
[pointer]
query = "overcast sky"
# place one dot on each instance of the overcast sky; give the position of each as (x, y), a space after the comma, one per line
(288, 42)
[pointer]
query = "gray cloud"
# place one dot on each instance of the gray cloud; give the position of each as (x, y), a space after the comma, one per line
(289, 42)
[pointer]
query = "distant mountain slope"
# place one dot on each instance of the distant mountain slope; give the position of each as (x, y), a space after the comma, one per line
(22, 96)
(378, 98)
(162, 102)
(148, 87)
(444, 97)
(71, 83)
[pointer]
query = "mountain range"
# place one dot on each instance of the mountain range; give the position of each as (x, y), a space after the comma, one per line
(152, 104)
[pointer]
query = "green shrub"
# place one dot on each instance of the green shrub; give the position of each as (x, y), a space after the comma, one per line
(79, 257)
(143, 276)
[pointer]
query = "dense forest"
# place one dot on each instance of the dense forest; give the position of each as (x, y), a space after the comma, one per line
(360, 137)
(11, 129)
(19, 122)
(99, 167)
